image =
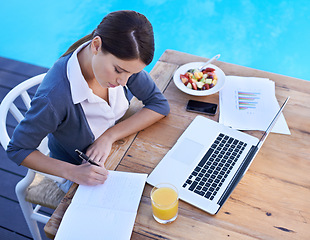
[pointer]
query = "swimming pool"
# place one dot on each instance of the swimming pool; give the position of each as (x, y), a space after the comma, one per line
(267, 35)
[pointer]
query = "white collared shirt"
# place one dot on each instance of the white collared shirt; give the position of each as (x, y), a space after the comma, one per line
(99, 114)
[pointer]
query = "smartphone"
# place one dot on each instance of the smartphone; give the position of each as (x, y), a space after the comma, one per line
(201, 107)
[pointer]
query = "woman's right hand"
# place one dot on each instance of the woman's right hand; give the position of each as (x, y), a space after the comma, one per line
(88, 174)
(85, 174)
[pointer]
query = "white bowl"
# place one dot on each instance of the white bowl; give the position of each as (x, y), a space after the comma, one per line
(184, 68)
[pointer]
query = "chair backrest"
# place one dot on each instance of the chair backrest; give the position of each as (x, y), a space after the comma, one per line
(7, 105)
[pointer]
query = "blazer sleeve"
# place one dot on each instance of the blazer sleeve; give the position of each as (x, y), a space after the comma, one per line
(142, 86)
(39, 120)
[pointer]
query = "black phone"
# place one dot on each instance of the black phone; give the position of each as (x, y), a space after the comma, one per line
(201, 107)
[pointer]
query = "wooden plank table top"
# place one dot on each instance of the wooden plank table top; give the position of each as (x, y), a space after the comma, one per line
(272, 199)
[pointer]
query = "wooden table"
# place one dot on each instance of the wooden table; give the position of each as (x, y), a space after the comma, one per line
(272, 201)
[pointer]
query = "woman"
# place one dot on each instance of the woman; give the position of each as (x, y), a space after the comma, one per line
(84, 94)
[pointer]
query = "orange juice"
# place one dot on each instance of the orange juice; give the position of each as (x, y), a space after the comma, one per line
(164, 203)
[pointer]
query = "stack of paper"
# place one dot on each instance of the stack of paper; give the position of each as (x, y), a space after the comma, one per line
(249, 103)
(106, 211)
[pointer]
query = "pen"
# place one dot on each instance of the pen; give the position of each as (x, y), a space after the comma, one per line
(84, 157)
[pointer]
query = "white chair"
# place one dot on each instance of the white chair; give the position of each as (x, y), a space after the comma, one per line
(35, 188)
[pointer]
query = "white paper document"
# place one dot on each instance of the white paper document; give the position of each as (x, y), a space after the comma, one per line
(106, 211)
(249, 103)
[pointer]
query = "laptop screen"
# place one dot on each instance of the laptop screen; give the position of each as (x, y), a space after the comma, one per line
(271, 125)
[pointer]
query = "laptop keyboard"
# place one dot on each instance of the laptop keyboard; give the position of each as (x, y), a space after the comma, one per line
(212, 170)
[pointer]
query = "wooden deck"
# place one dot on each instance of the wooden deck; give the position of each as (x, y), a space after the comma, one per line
(12, 223)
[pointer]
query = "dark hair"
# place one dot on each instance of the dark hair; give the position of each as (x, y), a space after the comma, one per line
(125, 34)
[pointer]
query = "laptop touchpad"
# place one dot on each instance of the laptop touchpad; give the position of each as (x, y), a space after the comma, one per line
(186, 151)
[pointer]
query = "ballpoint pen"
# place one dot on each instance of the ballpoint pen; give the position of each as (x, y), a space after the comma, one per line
(84, 157)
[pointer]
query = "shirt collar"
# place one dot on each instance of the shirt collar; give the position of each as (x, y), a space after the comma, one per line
(80, 90)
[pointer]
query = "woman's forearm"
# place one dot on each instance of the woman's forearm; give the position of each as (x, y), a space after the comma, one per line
(42, 163)
(139, 121)
(100, 149)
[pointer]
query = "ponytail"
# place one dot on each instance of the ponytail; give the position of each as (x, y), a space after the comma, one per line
(79, 42)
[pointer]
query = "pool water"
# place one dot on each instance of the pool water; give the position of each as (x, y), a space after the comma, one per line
(267, 35)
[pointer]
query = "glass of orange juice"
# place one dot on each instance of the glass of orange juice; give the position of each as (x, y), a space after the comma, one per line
(165, 200)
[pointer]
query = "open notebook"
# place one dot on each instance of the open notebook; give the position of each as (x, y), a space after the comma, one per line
(106, 211)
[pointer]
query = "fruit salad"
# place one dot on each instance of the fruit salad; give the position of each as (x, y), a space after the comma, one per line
(199, 80)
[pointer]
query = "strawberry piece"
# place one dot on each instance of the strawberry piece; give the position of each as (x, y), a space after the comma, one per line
(209, 70)
(194, 85)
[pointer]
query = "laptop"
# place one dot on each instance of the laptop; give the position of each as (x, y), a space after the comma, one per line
(208, 161)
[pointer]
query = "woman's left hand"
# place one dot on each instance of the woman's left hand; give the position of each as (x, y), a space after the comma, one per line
(100, 149)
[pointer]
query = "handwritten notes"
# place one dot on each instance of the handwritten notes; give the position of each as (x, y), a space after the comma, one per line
(106, 211)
